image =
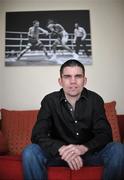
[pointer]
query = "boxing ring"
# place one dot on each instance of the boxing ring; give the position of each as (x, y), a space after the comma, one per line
(15, 42)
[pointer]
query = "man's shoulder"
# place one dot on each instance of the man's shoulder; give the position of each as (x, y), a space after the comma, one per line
(92, 94)
(81, 29)
(52, 99)
(31, 27)
(50, 26)
(53, 95)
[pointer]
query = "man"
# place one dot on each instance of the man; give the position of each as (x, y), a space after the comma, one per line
(61, 38)
(34, 41)
(79, 39)
(72, 130)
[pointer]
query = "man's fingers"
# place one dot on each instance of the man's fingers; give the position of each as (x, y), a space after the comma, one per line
(79, 161)
(70, 165)
(76, 163)
(66, 152)
(69, 149)
(68, 156)
(65, 148)
(73, 165)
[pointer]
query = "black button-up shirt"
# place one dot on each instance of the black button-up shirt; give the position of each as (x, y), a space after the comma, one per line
(58, 124)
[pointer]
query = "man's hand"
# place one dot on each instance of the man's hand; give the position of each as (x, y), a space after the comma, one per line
(71, 154)
(71, 151)
(46, 32)
(76, 163)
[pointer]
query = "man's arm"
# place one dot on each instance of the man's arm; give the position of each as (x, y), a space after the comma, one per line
(43, 31)
(84, 34)
(29, 32)
(51, 27)
(75, 35)
(101, 129)
(41, 133)
(102, 134)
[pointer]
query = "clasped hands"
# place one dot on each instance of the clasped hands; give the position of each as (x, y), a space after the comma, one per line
(72, 155)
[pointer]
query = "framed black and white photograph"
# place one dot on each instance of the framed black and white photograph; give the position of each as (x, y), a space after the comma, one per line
(47, 37)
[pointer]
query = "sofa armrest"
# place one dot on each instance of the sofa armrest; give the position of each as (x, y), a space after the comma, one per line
(121, 125)
(3, 144)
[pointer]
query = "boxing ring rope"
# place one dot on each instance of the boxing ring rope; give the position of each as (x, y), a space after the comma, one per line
(15, 42)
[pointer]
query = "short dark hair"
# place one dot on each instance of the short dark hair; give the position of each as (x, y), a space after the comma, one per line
(50, 21)
(35, 21)
(71, 63)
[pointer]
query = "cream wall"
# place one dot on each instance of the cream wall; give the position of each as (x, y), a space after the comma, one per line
(24, 87)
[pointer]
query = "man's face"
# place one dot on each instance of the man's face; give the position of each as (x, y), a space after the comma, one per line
(37, 24)
(76, 25)
(72, 81)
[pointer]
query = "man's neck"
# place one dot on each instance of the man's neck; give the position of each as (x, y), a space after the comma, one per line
(72, 100)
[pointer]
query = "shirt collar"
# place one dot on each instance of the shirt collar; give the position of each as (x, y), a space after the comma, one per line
(84, 95)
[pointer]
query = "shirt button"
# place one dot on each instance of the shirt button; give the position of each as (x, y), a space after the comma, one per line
(77, 134)
(75, 121)
(71, 109)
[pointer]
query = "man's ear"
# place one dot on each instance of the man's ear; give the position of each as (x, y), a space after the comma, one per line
(59, 81)
(85, 81)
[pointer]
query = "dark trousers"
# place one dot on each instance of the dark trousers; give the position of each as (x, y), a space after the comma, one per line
(80, 42)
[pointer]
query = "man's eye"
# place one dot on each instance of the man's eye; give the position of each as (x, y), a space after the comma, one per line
(79, 76)
(66, 77)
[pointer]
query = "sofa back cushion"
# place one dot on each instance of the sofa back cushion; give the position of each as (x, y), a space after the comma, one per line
(112, 118)
(17, 127)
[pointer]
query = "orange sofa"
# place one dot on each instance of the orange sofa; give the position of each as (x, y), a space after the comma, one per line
(16, 127)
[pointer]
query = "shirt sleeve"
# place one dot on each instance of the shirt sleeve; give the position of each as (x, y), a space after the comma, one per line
(101, 129)
(42, 130)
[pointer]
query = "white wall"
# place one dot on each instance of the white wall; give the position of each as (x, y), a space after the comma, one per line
(24, 87)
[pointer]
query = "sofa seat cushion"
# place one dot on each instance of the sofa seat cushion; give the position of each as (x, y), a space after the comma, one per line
(59, 173)
(112, 118)
(87, 173)
(10, 166)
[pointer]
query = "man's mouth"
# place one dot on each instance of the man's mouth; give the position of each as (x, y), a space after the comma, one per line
(73, 88)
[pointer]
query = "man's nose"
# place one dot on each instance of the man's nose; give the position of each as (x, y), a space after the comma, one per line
(73, 79)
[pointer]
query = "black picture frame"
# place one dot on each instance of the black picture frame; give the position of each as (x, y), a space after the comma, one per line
(17, 39)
